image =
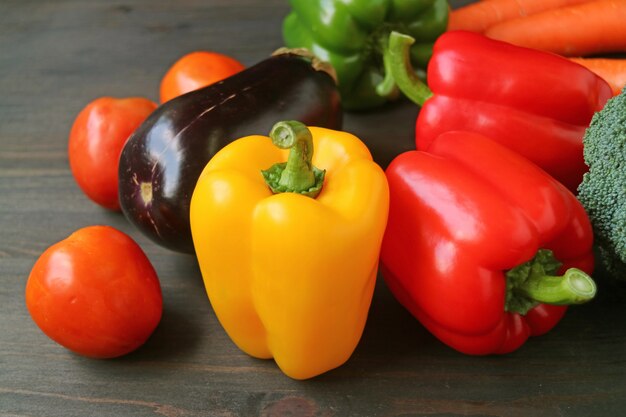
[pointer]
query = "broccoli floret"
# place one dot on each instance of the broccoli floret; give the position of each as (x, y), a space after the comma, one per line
(603, 189)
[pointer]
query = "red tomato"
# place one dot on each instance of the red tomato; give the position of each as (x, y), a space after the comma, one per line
(95, 293)
(196, 70)
(96, 141)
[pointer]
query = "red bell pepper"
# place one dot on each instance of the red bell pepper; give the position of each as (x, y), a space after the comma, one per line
(536, 103)
(475, 236)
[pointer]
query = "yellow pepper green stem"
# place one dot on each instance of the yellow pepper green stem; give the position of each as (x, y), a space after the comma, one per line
(297, 175)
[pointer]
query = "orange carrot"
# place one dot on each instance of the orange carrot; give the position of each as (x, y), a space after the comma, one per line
(583, 29)
(613, 71)
(477, 17)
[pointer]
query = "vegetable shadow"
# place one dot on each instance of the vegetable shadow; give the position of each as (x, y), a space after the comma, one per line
(186, 312)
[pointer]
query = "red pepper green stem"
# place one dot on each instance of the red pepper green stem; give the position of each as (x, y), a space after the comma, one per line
(399, 71)
(534, 282)
(297, 175)
(574, 287)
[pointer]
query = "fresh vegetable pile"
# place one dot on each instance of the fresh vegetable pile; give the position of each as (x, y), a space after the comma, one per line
(485, 232)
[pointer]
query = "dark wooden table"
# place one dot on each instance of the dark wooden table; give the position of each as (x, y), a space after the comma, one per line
(57, 56)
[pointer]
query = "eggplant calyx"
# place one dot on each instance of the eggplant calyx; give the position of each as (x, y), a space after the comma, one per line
(317, 63)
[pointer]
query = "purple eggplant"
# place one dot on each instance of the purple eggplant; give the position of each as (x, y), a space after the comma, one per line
(162, 160)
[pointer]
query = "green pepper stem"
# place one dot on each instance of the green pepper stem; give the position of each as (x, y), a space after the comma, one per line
(399, 70)
(297, 175)
(387, 87)
(574, 287)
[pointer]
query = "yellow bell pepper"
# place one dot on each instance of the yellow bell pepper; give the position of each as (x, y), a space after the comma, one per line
(290, 273)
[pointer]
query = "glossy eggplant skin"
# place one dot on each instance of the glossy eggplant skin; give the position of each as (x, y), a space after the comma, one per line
(162, 160)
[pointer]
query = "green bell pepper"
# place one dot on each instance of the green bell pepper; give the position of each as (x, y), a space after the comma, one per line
(352, 35)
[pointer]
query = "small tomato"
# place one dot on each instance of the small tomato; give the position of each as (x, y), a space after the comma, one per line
(196, 70)
(96, 141)
(95, 293)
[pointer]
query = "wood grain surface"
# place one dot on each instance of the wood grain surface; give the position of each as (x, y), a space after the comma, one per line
(55, 57)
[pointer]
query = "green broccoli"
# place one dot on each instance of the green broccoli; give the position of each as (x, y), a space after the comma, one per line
(603, 189)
